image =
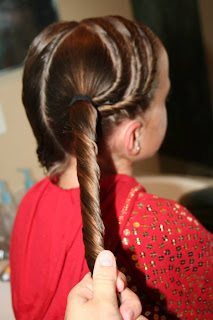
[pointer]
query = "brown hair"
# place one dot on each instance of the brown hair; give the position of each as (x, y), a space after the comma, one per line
(114, 62)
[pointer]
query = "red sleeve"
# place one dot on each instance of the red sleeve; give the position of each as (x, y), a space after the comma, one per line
(168, 258)
(47, 253)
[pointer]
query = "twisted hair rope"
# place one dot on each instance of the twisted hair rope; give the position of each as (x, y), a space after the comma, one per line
(88, 176)
(88, 172)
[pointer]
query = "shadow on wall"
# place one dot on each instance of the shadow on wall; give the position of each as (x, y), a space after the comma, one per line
(200, 203)
(190, 120)
(20, 22)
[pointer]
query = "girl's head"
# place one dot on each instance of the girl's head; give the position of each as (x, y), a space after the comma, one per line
(117, 64)
(111, 60)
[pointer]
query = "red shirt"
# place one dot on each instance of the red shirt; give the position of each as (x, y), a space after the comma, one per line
(165, 253)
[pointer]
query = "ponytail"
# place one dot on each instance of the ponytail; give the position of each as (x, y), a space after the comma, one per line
(83, 121)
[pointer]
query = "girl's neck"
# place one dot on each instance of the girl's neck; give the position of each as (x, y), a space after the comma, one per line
(69, 179)
(121, 166)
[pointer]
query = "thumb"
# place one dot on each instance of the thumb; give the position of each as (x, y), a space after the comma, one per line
(104, 277)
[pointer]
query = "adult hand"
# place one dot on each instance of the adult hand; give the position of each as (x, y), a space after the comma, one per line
(96, 299)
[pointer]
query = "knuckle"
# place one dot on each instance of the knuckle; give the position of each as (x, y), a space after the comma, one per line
(102, 280)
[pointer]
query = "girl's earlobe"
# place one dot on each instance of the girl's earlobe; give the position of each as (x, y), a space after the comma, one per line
(137, 146)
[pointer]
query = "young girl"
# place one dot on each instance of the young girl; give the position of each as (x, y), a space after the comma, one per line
(94, 93)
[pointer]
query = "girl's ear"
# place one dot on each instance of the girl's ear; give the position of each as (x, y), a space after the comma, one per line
(132, 137)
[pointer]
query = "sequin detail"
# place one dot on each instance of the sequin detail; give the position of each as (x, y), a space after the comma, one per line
(173, 253)
(127, 203)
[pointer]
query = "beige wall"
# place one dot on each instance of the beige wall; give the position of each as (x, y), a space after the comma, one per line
(80, 9)
(18, 145)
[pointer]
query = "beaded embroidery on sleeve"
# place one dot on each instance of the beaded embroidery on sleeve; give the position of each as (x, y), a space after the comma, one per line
(171, 256)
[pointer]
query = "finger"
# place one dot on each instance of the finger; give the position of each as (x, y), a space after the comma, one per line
(83, 290)
(130, 305)
(104, 277)
(79, 295)
(121, 283)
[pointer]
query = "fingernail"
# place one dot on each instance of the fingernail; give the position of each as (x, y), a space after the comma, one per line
(120, 285)
(106, 259)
